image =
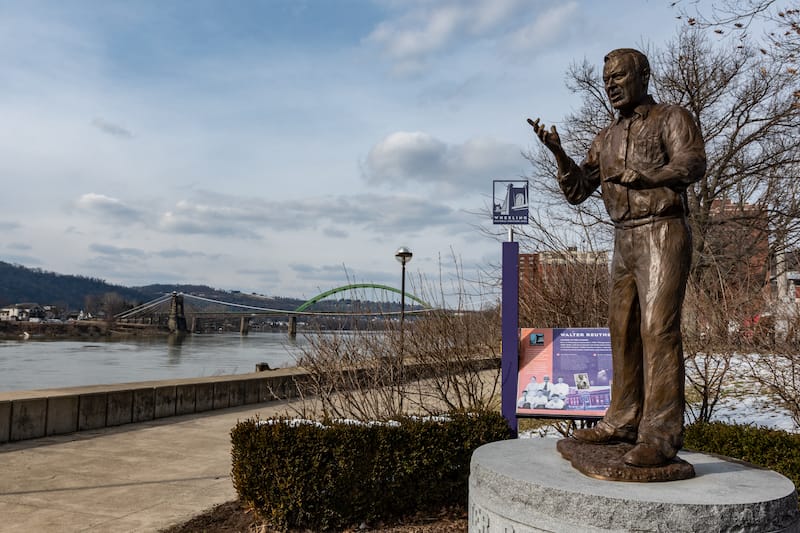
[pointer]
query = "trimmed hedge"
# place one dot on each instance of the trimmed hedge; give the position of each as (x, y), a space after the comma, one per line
(769, 448)
(309, 475)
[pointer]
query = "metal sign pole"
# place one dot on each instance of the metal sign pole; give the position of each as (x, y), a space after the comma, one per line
(510, 201)
(509, 362)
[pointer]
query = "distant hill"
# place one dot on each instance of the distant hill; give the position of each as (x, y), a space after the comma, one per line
(20, 284)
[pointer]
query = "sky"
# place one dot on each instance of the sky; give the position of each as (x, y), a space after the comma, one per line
(282, 147)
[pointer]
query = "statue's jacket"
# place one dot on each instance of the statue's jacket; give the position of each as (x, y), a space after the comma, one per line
(662, 143)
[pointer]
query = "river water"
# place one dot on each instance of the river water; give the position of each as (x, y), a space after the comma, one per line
(44, 364)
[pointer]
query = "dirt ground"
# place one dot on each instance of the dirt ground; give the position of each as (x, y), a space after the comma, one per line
(233, 517)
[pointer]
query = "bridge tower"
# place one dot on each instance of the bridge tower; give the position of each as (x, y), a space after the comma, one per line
(177, 319)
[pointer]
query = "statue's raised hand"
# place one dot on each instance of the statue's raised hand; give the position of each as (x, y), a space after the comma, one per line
(549, 138)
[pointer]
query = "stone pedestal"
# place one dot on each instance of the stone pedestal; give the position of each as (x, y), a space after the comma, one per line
(524, 486)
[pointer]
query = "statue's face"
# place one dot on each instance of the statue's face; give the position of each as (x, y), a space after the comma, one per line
(623, 83)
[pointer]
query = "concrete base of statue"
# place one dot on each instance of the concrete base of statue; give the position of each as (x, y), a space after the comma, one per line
(524, 486)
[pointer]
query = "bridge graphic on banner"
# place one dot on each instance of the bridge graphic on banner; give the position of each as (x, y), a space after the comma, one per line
(510, 204)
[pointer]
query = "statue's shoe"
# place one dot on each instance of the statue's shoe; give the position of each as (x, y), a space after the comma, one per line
(644, 454)
(604, 433)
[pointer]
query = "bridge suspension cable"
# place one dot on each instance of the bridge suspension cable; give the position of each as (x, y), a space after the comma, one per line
(301, 310)
(144, 307)
(241, 306)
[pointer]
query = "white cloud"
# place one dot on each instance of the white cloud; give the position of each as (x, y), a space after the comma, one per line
(419, 30)
(219, 221)
(103, 206)
(405, 155)
(493, 13)
(340, 274)
(112, 129)
(392, 215)
(335, 233)
(326, 272)
(117, 251)
(177, 253)
(419, 157)
(253, 218)
(544, 29)
(25, 260)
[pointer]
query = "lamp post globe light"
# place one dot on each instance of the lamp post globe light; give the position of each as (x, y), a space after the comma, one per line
(403, 255)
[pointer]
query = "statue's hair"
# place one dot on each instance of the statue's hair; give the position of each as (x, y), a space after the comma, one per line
(639, 59)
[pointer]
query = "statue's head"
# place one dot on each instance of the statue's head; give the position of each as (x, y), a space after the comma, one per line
(626, 73)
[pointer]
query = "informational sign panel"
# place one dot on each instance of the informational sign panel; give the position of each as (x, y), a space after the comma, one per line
(564, 373)
(510, 202)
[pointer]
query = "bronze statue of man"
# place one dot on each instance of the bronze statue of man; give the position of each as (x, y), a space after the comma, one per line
(643, 161)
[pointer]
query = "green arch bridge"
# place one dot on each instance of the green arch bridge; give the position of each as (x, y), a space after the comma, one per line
(354, 286)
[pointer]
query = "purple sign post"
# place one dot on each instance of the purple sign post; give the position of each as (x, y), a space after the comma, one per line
(510, 206)
(510, 331)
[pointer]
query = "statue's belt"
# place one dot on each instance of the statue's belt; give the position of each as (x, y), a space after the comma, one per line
(636, 222)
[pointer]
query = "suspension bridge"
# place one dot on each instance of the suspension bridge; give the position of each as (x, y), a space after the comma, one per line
(173, 306)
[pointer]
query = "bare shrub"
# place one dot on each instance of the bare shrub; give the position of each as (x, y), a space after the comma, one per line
(778, 376)
(437, 360)
(774, 363)
(352, 374)
(455, 346)
(706, 351)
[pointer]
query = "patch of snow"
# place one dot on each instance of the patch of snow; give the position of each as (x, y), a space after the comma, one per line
(756, 411)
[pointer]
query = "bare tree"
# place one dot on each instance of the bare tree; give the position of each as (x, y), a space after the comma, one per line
(740, 18)
(749, 118)
(113, 304)
(743, 212)
(92, 303)
(748, 112)
(712, 340)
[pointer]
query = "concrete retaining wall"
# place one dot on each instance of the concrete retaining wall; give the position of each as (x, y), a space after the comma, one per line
(41, 413)
(34, 414)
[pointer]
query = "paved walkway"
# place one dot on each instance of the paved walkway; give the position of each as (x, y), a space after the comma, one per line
(137, 477)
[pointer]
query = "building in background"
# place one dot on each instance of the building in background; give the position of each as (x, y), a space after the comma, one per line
(564, 288)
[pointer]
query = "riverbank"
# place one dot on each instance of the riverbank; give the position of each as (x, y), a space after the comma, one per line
(33, 414)
(76, 329)
(94, 329)
(42, 413)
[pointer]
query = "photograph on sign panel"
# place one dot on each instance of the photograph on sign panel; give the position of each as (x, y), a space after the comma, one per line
(564, 372)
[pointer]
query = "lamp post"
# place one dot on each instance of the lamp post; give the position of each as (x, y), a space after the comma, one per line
(403, 255)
